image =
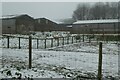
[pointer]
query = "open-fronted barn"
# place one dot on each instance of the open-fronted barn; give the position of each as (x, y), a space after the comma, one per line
(17, 24)
(108, 26)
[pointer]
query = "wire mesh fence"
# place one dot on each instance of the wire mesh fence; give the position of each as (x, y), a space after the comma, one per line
(64, 59)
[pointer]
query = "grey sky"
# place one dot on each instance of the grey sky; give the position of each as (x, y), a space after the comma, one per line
(51, 10)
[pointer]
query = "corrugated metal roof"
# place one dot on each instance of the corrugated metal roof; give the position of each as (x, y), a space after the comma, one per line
(97, 21)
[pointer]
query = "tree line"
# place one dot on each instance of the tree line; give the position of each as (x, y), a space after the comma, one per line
(99, 10)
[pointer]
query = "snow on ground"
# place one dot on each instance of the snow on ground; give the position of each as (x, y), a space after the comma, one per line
(24, 43)
(73, 60)
(108, 48)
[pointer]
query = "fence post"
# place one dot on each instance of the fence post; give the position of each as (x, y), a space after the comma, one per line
(7, 41)
(37, 43)
(72, 39)
(100, 62)
(19, 42)
(45, 43)
(51, 42)
(58, 42)
(83, 37)
(63, 41)
(30, 52)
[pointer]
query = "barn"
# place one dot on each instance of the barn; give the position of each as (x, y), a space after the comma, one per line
(44, 24)
(17, 24)
(64, 27)
(108, 26)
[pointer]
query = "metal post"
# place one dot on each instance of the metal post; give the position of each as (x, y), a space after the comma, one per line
(100, 62)
(30, 52)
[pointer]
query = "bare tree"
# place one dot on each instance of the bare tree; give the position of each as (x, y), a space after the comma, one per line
(98, 10)
(82, 12)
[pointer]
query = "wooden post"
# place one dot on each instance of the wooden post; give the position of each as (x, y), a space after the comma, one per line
(100, 62)
(37, 43)
(45, 43)
(72, 39)
(63, 41)
(57, 41)
(30, 52)
(19, 42)
(7, 41)
(83, 37)
(51, 42)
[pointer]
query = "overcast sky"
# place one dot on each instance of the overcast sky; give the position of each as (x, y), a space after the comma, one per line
(50, 10)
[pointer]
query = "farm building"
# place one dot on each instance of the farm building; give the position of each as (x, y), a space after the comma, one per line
(108, 26)
(65, 27)
(43, 24)
(17, 24)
